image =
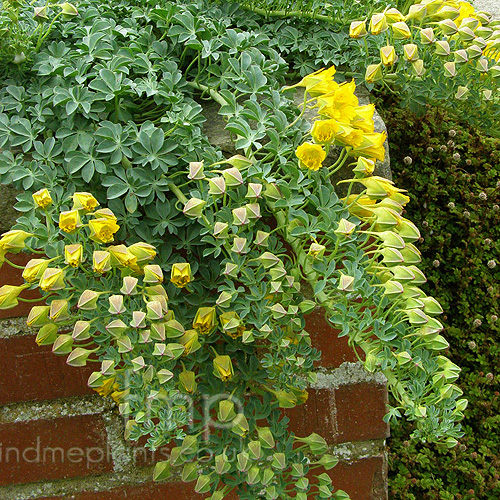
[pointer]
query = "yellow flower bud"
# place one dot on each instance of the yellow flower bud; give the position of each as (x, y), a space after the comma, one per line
(388, 55)
(378, 24)
(13, 241)
(40, 14)
(69, 221)
(345, 228)
(47, 335)
(190, 342)
(357, 29)
(68, 9)
(101, 261)
(180, 274)
(401, 30)
(143, 252)
(205, 320)
(187, 381)
(34, 269)
(73, 255)
(231, 324)
(373, 73)
(9, 294)
(63, 345)
(223, 368)
(38, 316)
(59, 310)
(103, 229)
(52, 279)
(450, 69)
(427, 36)
(42, 198)
(84, 201)
(79, 356)
(129, 285)
(364, 166)
(310, 156)
(346, 283)
(316, 251)
(393, 15)
(418, 67)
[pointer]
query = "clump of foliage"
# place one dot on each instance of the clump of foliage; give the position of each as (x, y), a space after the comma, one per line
(454, 179)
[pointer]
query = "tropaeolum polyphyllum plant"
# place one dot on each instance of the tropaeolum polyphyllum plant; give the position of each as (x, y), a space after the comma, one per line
(207, 369)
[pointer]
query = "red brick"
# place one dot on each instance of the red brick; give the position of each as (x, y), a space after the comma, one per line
(12, 276)
(53, 449)
(334, 350)
(32, 372)
(151, 491)
(318, 415)
(349, 413)
(362, 480)
(360, 409)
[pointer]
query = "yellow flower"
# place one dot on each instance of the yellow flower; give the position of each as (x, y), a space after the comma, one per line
(13, 241)
(372, 146)
(323, 131)
(9, 294)
(84, 201)
(466, 11)
(364, 118)
(52, 279)
(101, 261)
(339, 104)
(102, 229)
(388, 55)
(204, 321)
(319, 82)
(42, 198)
(34, 269)
(106, 388)
(73, 255)
(310, 156)
(122, 257)
(180, 274)
(348, 136)
(69, 221)
(223, 368)
(357, 29)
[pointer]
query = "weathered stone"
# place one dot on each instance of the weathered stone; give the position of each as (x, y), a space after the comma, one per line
(214, 129)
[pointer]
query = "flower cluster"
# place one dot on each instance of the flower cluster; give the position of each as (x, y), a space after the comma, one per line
(343, 122)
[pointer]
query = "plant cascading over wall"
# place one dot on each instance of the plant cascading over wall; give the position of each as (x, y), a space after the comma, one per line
(184, 276)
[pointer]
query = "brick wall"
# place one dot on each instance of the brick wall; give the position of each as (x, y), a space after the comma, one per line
(60, 440)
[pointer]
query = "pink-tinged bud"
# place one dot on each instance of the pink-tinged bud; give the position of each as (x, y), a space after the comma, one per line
(231, 269)
(79, 356)
(410, 51)
(462, 93)
(116, 304)
(272, 192)
(138, 319)
(253, 211)
(482, 65)
(224, 299)
(194, 208)
(346, 283)
(63, 344)
(153, 274)
(240, 216)
(474, 52)
(461, 56)
(261, 239)
(196, 171)
(401, 30)
(52, 279)
(129, 285)
(345, 228)
(239, 246)
(217, 186)
(254, 191)
(124, 344)
(40, 15)
(154, 310)
(81, 330)
(233, 177)
(268, 259)
(450, 69)
(442, 48)
(164, 376)
(427, 36)
(278, 311)
(138, 363)
(221, 230)
(116, 328)
(448, 27)
(418, 67)
(108, 367)
(88, 300)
